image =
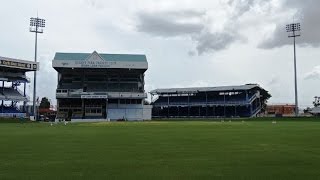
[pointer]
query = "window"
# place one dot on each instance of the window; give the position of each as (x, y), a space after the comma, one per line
(113, 101)
(122, 101)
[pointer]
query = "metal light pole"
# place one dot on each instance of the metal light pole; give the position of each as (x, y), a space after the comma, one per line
(36, 26)
(294, 31)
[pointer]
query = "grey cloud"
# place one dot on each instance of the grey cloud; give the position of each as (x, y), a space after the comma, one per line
(168, 24)
(210, 42)
(191, 53)
(172, 24)
(277, 39)
(194, 25)
(308, 14)
(186, 13)
(241, 7)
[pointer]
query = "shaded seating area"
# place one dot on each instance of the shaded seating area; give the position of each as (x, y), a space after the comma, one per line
(11, 94)
(224, 101)
(9, 109)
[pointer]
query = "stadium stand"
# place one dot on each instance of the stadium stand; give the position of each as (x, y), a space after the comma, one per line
(226, 101)
(13, 94)
(94, 87)
(12, 75)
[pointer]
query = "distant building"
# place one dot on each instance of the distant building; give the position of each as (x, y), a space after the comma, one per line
(47, 114)
(281, 109)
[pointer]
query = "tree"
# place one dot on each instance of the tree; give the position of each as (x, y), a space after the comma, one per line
(316, 101)
(45, 103)
(307, 110)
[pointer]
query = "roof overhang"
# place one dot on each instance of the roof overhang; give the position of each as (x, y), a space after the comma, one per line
(204, 89)
(99, 61)
(99, 64)
(18, 64)
(96, 70)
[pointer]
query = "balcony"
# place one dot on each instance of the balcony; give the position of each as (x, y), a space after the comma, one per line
(77, 93)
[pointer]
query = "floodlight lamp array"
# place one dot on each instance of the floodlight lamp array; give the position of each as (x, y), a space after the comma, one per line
(37, 22)
(293, 27)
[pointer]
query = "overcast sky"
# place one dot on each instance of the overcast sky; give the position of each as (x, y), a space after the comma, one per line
(188, 43)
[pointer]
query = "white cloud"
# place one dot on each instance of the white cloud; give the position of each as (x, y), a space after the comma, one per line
(314, 74)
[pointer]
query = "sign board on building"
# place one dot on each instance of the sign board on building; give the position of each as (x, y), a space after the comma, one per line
(99, 64)
(18, 64)
(96, 61)
(94, 97)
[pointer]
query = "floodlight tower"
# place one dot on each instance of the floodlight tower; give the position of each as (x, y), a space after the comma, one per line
(294, 31)
(36, 26)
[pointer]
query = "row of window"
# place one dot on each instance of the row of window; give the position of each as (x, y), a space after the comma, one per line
(62, 91)
(124, 101)
(94, 111)
(91, 111)
(67, 110)
(93, 78)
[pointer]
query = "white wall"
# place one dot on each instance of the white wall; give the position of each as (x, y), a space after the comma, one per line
(130, 112)
(147, 110)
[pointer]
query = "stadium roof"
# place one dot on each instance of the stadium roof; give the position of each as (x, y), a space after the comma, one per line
(106, 57)
(205, 89)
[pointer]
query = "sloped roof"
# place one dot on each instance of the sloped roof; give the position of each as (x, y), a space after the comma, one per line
(107, 57)
(204, 89)
(315, 110)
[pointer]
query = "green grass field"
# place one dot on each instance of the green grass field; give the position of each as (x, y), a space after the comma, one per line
(254, 149)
